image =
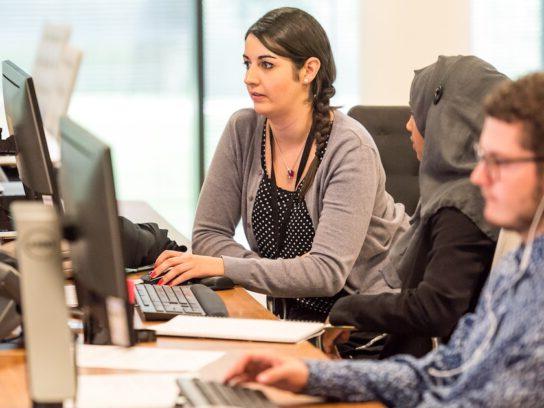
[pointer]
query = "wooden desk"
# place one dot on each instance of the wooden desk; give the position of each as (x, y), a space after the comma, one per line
(13, 380)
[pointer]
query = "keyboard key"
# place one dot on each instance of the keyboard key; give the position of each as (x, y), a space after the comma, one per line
(162, 294)
(170, 294)
(180, 295)
(142, 295)
(152, 293)
(210, 393)
(159, 306)
(170, 307)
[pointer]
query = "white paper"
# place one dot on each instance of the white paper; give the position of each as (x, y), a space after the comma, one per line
(144, 358)
(280, 331)
(70, 295)
(127, 391)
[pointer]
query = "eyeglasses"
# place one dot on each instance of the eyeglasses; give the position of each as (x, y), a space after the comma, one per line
(493, 164)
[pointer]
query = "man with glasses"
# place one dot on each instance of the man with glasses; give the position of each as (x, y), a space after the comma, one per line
(495, 356)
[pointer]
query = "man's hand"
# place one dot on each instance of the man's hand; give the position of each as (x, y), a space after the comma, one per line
(281, 372)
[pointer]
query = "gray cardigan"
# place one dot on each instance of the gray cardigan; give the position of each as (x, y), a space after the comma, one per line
(355, 220)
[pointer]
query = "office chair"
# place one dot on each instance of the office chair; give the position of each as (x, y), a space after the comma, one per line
(387, 125)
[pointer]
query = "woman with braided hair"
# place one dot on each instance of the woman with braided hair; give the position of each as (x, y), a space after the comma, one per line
(306, 180)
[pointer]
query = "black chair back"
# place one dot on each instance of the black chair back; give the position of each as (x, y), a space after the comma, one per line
(387, 125)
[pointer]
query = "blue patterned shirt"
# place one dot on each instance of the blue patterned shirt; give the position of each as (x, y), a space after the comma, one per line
(494, 358)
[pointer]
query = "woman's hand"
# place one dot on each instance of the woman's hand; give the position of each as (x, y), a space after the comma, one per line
(182, 266)
(286, 373)
(331, 338)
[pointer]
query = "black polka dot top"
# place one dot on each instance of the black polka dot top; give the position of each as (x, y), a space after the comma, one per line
(299, 234)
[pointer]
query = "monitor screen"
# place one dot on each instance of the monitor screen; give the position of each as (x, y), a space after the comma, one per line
(90, 207)
(25, 124)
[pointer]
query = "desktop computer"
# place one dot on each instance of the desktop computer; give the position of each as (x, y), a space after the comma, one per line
(48, 340)
(25, 124)
(90, 212)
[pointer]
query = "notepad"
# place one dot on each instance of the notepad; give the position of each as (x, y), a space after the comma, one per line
(279, 331)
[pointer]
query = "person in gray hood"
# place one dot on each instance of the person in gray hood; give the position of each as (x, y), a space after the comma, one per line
(443, 260)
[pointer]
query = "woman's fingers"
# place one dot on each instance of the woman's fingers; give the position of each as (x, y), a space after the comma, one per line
(165, 255)
(183, 277)
(174, 272)
(170, 262)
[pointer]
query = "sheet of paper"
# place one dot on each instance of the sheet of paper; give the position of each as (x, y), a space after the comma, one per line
(127, 391)
(281, 331)
(71, 295)
(144, 358)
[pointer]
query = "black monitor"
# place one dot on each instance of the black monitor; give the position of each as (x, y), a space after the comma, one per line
(90, 211)
(25, 124)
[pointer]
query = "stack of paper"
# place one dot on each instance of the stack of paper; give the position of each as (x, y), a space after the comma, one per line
(279, 331)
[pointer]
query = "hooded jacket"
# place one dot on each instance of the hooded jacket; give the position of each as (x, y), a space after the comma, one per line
(443, 260)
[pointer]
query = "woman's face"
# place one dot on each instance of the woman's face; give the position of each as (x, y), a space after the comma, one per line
(273, 83)
(417, 140)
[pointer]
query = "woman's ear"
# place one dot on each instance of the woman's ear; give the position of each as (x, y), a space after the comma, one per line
(309, 70)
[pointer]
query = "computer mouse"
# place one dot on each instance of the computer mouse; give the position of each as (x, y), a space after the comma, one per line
(146, 278)
(213, 282)
(216, 282)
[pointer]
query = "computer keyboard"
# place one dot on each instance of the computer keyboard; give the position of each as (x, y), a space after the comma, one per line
(164, 302)
(197, 393)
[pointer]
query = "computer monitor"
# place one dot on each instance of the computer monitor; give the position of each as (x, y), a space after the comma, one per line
(90, 210)
(26, 126)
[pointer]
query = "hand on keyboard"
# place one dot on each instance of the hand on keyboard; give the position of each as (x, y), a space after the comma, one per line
(286, 373)
(186, 266)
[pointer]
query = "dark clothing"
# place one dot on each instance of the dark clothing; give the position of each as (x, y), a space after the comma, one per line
(439, 284)
(143, 243)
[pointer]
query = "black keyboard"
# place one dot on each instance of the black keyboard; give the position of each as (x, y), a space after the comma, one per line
(164, 302)
(197, 393)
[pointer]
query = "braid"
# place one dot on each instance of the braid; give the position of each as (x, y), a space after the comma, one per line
(322, 129)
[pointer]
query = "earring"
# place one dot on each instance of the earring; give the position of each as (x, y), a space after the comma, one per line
(305, 80)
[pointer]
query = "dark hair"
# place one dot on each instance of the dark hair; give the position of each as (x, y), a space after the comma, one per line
(521, 101)
(292, 33)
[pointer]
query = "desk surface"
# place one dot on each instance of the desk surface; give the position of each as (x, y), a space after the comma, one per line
(13, 381)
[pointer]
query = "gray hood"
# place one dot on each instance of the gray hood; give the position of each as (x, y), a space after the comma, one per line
(446, 100)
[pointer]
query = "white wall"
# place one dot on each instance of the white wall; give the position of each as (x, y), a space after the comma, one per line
(399, 36)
